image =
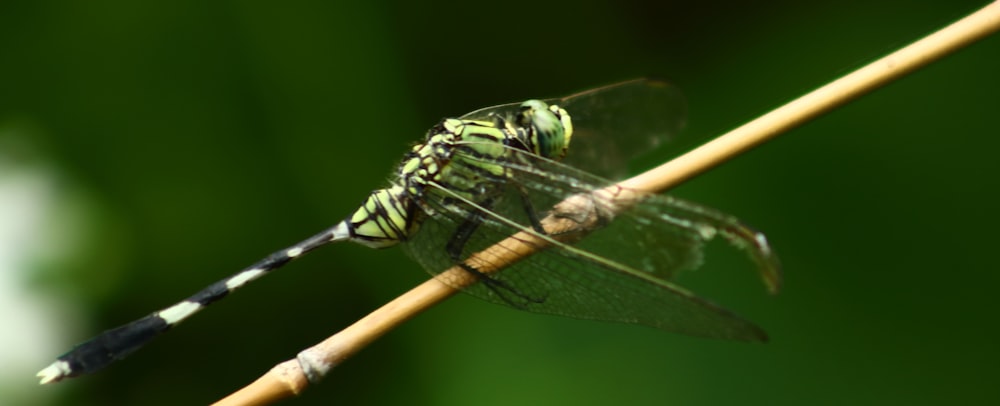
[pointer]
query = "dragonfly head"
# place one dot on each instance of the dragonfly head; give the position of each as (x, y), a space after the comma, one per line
(549, 128)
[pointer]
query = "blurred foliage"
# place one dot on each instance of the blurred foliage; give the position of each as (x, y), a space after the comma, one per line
(212, 133)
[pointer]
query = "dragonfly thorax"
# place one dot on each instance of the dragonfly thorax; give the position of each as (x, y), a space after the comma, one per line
(467, 158)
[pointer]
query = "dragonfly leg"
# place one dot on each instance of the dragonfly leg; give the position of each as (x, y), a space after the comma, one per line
(499, 287)
(462, 235)
(530, 211)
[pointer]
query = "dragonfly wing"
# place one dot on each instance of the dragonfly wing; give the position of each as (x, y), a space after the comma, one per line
(613, 124)
(665, 234)
(567, 279)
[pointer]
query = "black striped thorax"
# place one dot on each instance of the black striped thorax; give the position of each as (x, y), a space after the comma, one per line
(464, 156)
(460, 159)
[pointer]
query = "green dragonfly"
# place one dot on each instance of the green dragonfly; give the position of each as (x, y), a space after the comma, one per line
(498, 171)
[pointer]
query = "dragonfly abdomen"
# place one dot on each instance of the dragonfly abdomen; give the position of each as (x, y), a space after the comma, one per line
(385, 219)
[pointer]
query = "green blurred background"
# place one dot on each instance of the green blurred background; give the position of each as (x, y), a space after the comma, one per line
(150, 148)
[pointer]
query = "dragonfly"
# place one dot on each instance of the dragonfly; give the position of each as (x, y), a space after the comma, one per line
(489, 174)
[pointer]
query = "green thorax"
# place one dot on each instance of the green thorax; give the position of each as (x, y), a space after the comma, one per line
(444, 160)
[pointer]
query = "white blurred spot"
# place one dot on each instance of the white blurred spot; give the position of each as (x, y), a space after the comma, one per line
(36, 229)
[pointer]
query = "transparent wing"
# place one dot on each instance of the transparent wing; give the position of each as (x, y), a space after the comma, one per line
(618, 273)
(614, 123)
(660, 235)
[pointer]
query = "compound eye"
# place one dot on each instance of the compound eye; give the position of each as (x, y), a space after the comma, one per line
(529, 110)
(547, 135)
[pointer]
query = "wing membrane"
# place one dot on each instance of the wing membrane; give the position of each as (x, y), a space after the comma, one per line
(613, 124)
(618, 273)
